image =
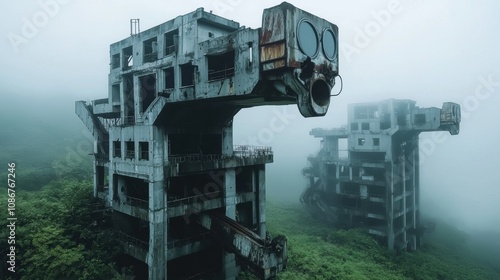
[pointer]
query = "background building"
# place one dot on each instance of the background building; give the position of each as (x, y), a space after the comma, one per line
(367, 174)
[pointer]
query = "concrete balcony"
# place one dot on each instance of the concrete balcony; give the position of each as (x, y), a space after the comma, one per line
(135, 247)
(132, 206)
(242, 156)
(183, 247)
(203, 202)
(103, 108)
(194, 205)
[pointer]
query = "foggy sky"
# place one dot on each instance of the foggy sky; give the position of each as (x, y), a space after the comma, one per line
(427, 51)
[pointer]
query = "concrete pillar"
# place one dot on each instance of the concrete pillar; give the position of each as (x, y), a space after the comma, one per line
(261, 199)
(413, 240)
(156, 255)
(96, 151)
(337, 178)
(96, 179)
(228, 259)
(416, 188)
(156, 259)
(227, 139)
(390, 208)
(403, 171)
(111, 187)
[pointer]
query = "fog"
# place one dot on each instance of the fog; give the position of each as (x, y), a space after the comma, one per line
(427, 51)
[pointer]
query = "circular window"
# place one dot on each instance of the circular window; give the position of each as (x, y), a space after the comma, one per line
(307, 38)
(329, 44)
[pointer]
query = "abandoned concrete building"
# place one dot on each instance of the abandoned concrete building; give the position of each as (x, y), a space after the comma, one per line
(187, 202)
(367, 174)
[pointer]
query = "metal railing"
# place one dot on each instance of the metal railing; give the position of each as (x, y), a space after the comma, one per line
(127, 120)
(150, 57)
(193, 199)
(251, 150)
(144, 155)
(133, 201)
(132, 240)
(240, 151)
(220, 74)
(169, 50)
(129, 154)
(191, 158)
(180, 242)
(107, 123)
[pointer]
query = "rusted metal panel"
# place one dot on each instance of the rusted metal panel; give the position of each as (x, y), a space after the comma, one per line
(273, 26)
(272, 52)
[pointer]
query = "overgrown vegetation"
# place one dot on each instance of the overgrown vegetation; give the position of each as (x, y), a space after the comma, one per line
(59, 235)
(317, 251)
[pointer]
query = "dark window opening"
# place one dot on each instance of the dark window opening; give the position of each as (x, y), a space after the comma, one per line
(205, 186)
(368, 156)
(220, 66)
(128, 93)
(244, 180)
(401, 119)
(354, 126)
(169, 78)
(144, 150)
(376, 142)
(191, 143)
(244, 214)
(401, 111)
(420, 119)
(132, 191)
(115, 61)
(100, 178)
(137, 191)
(342, 146)
(207, 260)
(130, 150)
(115, 94)
(128, 58)
(171, 42)
(117, 149)
(187, 74)
(148, 90)
(365, 126)
(385, 121)
(150, 50)
(361, 141)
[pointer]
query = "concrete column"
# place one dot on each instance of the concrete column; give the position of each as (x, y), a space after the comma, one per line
(111, 187)
(416, 189)
(227, 139)
(156, 255)
(390, 208)
(403, 171)
(261, 199)
(228, 259)
(156, 259)
(96, 180)
(337, 178)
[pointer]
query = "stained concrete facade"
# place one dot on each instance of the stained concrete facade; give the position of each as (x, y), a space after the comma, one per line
(163, 150)
(368, 175)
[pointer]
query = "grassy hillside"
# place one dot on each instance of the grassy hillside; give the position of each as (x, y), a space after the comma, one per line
(317, 251)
